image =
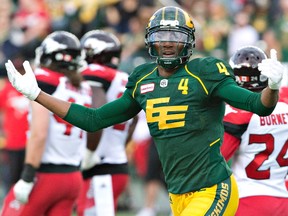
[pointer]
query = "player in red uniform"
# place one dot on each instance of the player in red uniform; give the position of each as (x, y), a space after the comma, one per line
(258, 144)
(108, 164)
(51, 180)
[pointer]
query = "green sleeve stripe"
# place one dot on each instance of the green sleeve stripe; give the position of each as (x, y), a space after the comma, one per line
(133, 93)
(199, 80)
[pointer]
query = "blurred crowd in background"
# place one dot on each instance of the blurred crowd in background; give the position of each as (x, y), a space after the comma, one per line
(222, 26)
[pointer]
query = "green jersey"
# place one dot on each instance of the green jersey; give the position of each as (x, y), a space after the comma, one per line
(185, 120)
(184, 113)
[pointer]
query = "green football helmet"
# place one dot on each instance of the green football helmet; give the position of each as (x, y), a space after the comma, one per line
(170, 24)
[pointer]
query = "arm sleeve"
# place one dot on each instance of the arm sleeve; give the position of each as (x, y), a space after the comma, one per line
(243, 99)
(115, 112)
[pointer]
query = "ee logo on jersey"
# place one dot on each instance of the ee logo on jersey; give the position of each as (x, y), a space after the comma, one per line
(162, 114)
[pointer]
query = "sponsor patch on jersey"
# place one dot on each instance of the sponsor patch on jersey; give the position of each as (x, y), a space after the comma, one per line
(147, 88)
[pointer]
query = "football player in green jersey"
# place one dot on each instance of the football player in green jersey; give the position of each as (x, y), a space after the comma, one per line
(184, 102)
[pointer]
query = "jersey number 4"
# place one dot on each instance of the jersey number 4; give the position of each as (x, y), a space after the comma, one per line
(252, 170)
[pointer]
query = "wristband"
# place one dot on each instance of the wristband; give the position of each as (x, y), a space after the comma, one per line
(28, 173)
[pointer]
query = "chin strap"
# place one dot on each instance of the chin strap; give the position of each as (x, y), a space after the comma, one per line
(170, 63)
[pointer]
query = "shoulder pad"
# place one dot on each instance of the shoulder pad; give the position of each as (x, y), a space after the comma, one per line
(47, 76)
(210, 68)
(95, 72)
(140, 72)
(47, 80)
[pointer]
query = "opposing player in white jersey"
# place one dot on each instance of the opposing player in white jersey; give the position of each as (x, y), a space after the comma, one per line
(107, 165)
(51, 180)
(258, 144)
(283, 94)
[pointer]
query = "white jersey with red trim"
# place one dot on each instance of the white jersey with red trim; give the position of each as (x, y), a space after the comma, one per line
(261, 163)
(111, 148)
(65, 143)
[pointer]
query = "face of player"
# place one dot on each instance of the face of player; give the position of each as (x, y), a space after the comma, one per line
(169, 44)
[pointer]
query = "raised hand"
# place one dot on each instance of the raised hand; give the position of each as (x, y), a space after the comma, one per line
(25, 84)
(272, 69)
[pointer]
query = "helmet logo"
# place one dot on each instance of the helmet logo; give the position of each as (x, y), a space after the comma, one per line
(189, 21)
(97, 45)
(52, 46)
(169, 22)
